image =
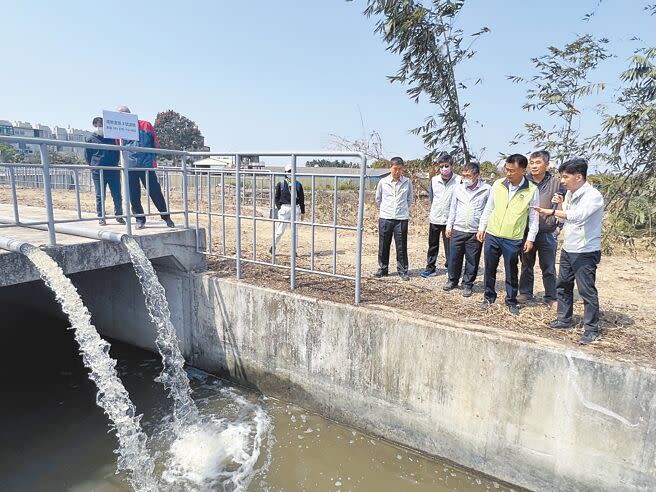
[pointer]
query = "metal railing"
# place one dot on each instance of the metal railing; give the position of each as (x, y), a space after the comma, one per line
(231, 188)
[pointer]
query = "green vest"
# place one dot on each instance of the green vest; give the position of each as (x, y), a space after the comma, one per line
(508, 219)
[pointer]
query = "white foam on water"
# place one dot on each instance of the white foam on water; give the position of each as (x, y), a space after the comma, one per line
(112, 397)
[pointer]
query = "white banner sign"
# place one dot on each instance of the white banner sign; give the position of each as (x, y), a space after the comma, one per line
(119, 125)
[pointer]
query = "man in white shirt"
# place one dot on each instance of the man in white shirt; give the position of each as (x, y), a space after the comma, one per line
(394, 199)
(467, 205)
(440, 191)
(582, 213)
(503, 225)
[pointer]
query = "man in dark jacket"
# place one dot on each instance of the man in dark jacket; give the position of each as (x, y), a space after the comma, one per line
(100, 157)
(145, 160)
(545, 244)
(283, 201)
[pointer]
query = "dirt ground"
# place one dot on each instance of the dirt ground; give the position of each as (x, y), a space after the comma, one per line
(626, 280)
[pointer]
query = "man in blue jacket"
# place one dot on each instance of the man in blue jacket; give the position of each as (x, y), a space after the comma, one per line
(145, 160)
(100, 157)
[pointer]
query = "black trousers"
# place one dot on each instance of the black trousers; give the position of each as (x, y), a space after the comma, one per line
(434, 232)
(388, 228)
(510, 249)
(137, 178)
(464, 244)
(544, 247)
(581, 267)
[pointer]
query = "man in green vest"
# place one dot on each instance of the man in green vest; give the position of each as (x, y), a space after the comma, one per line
(503, 228)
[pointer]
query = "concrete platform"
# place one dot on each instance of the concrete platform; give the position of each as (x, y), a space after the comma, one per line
(174, 247)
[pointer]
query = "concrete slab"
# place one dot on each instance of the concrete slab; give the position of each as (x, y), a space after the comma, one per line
(175, 247)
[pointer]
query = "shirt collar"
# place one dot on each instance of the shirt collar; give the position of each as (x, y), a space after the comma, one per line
(581, 190)
(402, 179)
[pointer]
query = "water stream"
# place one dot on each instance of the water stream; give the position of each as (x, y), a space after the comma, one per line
(111, 396)
(173, 375)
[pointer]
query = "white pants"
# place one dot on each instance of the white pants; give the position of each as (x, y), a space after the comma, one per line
(285, 213)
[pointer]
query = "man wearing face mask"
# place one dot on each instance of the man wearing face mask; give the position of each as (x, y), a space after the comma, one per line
(583, 214)
(467, 205)
(99, 157)
(440, 192)
(283, 201)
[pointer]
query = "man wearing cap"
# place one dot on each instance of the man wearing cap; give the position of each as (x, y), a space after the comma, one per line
(144, 160)
(440, 193)
(283, 201)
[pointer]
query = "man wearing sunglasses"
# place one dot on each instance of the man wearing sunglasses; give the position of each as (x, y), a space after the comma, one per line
(503, 224)
(440, 193)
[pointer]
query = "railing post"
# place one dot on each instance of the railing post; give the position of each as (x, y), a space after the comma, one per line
(238, 211)
(126, 194)
(43, 148)
(358, 252)
(184, 192)
(292, 254)
(14, 197)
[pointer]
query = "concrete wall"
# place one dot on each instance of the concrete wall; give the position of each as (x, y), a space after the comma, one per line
(528, 413)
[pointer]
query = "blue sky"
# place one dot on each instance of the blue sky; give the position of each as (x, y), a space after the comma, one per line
(282, 75)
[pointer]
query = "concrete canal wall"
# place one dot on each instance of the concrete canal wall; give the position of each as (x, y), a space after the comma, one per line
(528, 413)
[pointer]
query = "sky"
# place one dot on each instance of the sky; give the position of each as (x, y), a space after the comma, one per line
(285, 75)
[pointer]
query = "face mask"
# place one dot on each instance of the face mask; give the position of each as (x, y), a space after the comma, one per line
(468, 182)
(98, 130)
(445, 171)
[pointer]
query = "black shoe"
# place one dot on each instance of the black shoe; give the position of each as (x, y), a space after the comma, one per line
(140, 225)
(102, 222)
(449, 286)
(485, 304)
(513, 309)
(404, 276)
(467, 291)
(169, 222)
(380, 273)
(561, 325)
(589, 337)
(524, 298)
(121, 220)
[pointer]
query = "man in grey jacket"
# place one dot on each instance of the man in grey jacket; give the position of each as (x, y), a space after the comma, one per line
(394, 199)
(467, 205)
(440, 191)
(545, 244)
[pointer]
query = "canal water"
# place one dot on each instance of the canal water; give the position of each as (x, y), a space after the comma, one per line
(55, 438)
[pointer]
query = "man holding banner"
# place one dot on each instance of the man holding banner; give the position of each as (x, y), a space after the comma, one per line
(144, 160)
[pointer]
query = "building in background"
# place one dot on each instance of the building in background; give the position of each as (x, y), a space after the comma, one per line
(25, 129)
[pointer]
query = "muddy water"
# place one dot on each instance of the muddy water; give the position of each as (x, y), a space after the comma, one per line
(55, 437)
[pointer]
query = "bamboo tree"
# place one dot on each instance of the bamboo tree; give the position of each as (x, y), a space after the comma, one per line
(431, 48)
(558, 88)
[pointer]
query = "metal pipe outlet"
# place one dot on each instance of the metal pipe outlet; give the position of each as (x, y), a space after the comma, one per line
(14, 245)
(115, 237)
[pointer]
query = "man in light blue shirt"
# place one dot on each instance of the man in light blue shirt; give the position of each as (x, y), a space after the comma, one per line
(582, 214)
(394, 199)
(467, 205)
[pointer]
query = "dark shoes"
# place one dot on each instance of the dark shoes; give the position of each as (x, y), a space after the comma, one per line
(513, 309)
(449, 286)
(589, 337)
(380, 273)
(102, 222)
(121, 220)
(467, 291)
(140, 224)
(427, 273)
(524, 298)
(169, 222)
(404, 276)
(561, 325)
(485, 304)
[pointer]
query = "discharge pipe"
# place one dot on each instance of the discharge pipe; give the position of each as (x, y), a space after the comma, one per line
(73, 230)
(14, 245)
